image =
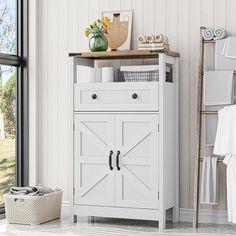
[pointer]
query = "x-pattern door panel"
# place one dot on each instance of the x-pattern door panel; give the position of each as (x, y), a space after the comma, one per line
(94, 139)
(137, 180)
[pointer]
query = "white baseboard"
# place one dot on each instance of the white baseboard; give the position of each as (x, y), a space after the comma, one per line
(205, 216)
(66, 210)
(185, 215)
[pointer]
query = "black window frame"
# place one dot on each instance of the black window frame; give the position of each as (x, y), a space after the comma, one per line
(20, 62)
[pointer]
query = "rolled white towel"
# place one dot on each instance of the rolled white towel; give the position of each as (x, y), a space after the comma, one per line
(151, 38)
(142, 39)
(161, 38)
(208, 34)
(219, 33)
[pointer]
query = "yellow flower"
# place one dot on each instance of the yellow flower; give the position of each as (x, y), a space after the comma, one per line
(105, 21)
(94, 23)
(106, 18)
(87, 32)
(105, 24)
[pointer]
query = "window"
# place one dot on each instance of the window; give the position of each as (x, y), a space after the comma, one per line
(13, 96)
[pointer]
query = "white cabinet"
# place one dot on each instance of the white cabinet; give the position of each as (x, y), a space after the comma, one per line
(116, 160)
(94, 139)
(125, 143)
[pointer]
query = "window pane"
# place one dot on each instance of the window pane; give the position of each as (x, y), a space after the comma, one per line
(7, 128)
(8, 27)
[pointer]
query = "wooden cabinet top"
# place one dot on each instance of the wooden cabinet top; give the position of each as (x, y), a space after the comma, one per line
(129, 54)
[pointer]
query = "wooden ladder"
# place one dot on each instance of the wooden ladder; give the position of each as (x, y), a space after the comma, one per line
(200, 113)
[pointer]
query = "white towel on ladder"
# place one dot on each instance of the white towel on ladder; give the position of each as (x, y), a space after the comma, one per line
(230, 161)
(209, 183)
(229, 49)
(218, 87)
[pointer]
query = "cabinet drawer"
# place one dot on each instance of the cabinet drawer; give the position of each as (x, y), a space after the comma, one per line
(141, 96)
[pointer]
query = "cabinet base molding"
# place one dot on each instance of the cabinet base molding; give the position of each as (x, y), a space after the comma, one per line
(117, 212)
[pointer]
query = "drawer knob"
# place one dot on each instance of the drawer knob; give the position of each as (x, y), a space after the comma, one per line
(94, 96)
(134, 95)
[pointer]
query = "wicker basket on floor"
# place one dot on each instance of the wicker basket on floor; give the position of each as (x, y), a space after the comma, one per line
(23, 209)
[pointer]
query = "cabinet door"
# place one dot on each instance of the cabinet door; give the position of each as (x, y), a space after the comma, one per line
(94, 181)
(137, 179)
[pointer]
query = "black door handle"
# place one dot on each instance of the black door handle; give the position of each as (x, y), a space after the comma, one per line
(110, 160)
(94, 96)
(117, 160)
(134, 95)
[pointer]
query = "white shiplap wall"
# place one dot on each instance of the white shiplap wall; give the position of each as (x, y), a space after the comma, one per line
(61, 26)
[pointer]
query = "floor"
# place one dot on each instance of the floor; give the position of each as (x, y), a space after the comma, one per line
(100, 226)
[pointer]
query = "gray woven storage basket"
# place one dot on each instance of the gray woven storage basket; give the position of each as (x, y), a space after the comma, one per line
(143, 73)
(141, 76)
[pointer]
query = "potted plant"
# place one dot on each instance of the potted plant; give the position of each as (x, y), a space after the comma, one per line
(98, 28)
